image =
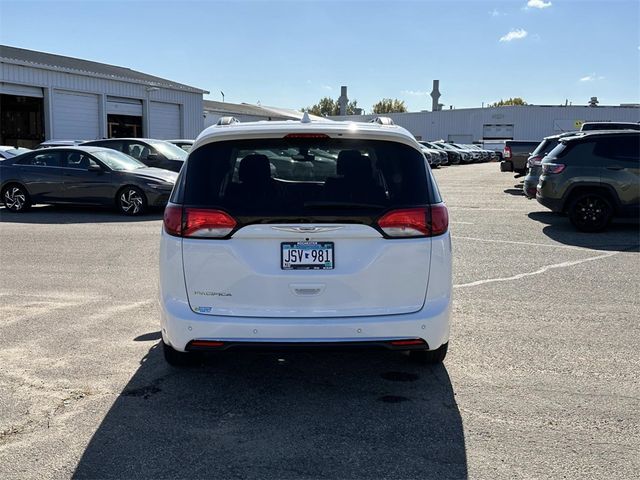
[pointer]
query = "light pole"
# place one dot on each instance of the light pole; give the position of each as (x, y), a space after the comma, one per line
(147, 111)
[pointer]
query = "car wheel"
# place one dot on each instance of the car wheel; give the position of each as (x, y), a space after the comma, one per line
(132, 201)
(429, 357)
(591, 212)
(178, 359)
(16, 198)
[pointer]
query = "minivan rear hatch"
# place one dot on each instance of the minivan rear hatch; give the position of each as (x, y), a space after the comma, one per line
(306, 227)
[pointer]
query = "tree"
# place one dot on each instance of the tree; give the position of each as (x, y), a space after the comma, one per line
(508, 102)
(327, 107)
(387, 105)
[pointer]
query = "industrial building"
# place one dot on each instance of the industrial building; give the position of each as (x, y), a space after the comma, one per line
(46, 96)
(527, 122)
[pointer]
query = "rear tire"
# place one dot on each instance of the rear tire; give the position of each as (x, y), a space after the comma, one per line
(429, 357)
(178, 359)
(590, 212)
(16, 198)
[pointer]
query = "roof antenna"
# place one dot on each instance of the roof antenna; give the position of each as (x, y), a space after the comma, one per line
(305, 118)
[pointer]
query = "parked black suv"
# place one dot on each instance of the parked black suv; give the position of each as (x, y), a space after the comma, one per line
(153, 153)
(593, 178)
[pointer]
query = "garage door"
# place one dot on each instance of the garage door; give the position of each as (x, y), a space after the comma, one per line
(124, 106)
(164, 122)
(75, 116)
(497, 132)
(20, 90)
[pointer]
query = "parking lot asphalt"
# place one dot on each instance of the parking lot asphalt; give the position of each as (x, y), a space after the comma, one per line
(541, 380)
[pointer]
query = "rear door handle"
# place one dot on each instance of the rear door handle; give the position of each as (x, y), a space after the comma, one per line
(615, 168)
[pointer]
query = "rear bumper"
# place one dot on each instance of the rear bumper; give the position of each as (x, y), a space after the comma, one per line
(530, 184)
(506, 166)
(180, 326)
(552, 204)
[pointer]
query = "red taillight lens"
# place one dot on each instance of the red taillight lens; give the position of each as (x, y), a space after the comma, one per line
(205, 223)
(415, 222)
(506, 153)
(439, 219)
(549, 168)
(173, 220)
(535, 161)
(206, 343)
(400, 343)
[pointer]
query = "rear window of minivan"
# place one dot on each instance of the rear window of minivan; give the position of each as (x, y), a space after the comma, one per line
(301, 176)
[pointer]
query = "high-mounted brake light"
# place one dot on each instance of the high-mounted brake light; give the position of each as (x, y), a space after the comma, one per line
(197, 222)
(291, 136)
(416, 222)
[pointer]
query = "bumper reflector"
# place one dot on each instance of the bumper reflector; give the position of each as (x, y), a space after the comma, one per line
(205, 343)
(401, 343)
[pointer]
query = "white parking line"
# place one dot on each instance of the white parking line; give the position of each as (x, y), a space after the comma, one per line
(528, 244)
(463, 223)
(537, 272)
(479, 209)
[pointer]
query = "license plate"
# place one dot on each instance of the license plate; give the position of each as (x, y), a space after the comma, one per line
(306, 255)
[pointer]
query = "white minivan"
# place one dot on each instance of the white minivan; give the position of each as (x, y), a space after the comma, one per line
(305, 234)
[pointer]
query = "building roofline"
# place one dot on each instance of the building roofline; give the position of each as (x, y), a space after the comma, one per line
(47, 61)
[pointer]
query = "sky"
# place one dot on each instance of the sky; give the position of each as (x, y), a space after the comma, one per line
(292, 53)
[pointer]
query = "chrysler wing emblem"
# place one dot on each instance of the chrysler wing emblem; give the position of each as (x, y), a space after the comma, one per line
(307, 229)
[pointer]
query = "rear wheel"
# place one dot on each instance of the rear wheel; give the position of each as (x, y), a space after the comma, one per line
(590, 212)
(429, 357)
(16, 198)
(131, 201)
(178, 359)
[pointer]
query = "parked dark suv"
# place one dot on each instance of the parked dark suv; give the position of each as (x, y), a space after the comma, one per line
(593, 178)
(153, 153)
(534, 163)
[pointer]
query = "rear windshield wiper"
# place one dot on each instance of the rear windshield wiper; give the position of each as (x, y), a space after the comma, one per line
(342, 205)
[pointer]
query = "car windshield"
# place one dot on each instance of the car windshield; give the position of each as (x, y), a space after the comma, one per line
(169, 150)
(16, 151)
(117, 160)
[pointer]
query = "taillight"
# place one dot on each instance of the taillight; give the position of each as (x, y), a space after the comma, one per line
(205, 223)
(506, 153)
(416, 222)
(548, 168)
(173, 220)
(197, 222)
(535, 161)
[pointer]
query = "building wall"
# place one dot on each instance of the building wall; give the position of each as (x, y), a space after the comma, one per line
(50, 80)
(530, 122)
